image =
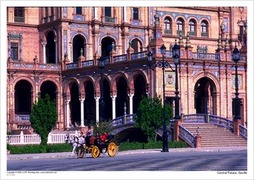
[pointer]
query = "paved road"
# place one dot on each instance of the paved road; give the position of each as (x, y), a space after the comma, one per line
(141, 160)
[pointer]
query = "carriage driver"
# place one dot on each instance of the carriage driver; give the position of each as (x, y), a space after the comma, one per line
(81, 139)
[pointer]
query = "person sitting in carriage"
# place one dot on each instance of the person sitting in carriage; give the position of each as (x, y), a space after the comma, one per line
(89, 134)
(81, 139)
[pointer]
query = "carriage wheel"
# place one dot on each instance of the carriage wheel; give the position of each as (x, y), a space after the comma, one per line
(95, 152)
(112, 149)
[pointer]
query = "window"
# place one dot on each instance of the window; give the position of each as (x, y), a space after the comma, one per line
(135, 13)
(19, 14)
(180, 26)
(167, 25)
(192, 28)
(78, 10)
(204, 28)
(108, 11)
(14, 51)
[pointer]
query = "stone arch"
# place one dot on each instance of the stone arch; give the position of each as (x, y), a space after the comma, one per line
(205, 94)
(137, 44)
(106, 45)
(78, 47)
(23, 97)
(50, 88)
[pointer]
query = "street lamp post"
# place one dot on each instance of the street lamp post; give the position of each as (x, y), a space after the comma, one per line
(101, 65)
(236, 101)
(176, 57)
(162, 65)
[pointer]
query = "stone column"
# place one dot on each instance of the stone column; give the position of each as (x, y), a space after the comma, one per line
(131, 103)
(44, 52)
(113, 106)
(97, 108)
(82, 112)
(67, 102)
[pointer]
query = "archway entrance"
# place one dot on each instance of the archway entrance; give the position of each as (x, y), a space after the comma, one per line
(49, 88)
(140, 90)
(89, 104)
(205, 96)
(75, 105)
(23, 98)
(106, 46)
(122, 97)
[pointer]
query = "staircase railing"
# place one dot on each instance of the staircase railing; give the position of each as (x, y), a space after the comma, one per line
(187, 136)
(194, 118)
(125, 119)
(220, 121)
(243, 131)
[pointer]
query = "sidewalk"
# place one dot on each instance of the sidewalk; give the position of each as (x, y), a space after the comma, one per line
(129, 152)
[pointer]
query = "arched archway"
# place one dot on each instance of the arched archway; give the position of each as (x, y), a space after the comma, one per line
(75, 105)
(48, 87)
(51, 48)
(139, 91)
(136, 45)
(205, 96)
(78, 47)
(89, 104)
(23, 97)
(106, 46)
(122, 97)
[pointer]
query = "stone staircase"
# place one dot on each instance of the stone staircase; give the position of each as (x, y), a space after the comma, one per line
(214, 136)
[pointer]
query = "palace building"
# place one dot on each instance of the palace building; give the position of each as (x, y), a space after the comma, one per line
(80, 56)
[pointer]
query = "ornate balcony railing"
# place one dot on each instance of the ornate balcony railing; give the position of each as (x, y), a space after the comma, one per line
(87, 63)
(207, 56)
(120, 58)
(138, 55)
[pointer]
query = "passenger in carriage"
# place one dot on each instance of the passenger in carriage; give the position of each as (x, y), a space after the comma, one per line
(89, 134)
(81, 139)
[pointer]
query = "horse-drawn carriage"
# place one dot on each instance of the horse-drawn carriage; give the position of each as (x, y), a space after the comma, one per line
(94, 145)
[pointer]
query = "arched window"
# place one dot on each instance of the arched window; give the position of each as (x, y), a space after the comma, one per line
(192, 28)
(167, 25)
(204, 28)
(136, 45)
(180, 26)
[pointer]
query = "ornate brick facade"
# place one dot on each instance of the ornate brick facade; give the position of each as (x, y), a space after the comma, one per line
(55, 51)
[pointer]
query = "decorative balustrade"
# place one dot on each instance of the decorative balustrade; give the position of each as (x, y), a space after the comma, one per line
(120, 58)
(138, 55)
(87, 63)
(72, 66)
(194, 118)
(24, 65)
(223, 122)
(22, 117)
(121, 120)
(188, 137)
(205, 56)
(35, 138)
(243, 131)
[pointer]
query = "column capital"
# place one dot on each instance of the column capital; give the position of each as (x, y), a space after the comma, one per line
(131, 95)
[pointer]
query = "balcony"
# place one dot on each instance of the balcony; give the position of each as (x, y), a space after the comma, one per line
(108, 19)
(167, 31)
(19, 19)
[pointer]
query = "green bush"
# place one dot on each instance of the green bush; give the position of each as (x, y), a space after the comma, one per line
(27, 149)
(51, 148)
(150, 145)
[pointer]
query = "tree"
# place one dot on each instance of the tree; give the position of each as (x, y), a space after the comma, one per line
(43, 117)
(149, 115)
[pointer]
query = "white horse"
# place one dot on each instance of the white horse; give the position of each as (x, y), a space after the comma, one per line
(76, 142)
